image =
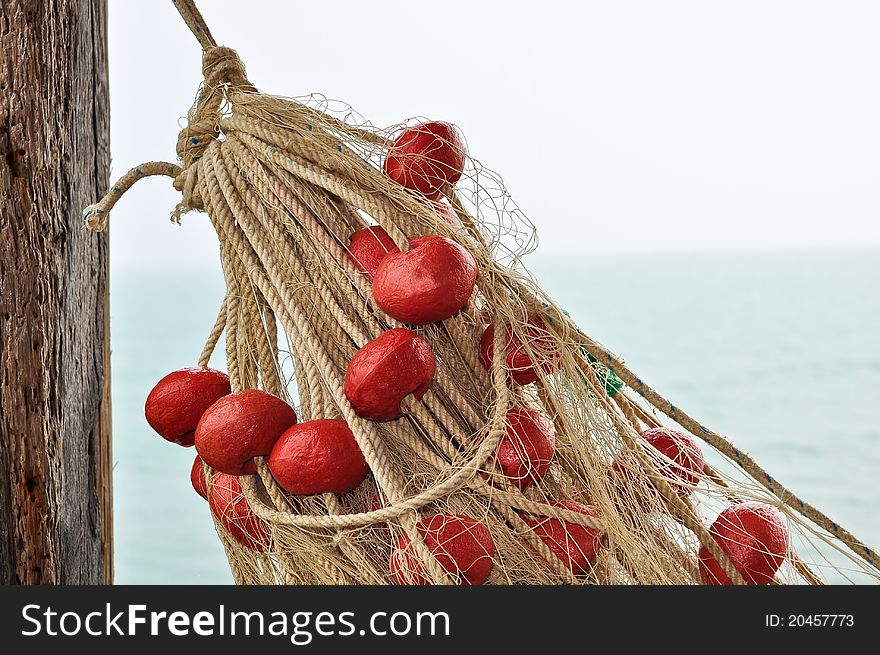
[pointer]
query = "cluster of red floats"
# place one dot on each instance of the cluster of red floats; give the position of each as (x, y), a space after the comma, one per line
(753, 535)
(430, 282)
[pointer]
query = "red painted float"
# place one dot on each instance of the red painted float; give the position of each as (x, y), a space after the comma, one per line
(575, 545)
(428, 283)
(518, 361)
(462, 546)
(239, 427)
(684, 451)
(231, 509)
(427, 156)
(683, 471)
(527, 448)
(197, 477)
(392, 366)
(755, 538)
(178, 400)
(367, 247)
(320, 456)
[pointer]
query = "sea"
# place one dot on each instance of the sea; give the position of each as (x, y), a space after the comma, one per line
(777, 350)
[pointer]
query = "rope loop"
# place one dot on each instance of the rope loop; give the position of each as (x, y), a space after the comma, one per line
(222, 70)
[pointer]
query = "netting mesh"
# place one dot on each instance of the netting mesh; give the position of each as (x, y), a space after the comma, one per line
(285, 183)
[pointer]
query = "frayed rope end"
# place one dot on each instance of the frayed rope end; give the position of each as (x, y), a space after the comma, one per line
(179, 210)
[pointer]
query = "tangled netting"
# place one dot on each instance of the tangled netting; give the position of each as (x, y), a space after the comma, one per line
(285, 182)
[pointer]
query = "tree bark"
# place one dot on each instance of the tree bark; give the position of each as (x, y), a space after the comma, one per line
(55, 501)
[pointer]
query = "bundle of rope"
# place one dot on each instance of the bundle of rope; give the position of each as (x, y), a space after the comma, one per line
(487, 441)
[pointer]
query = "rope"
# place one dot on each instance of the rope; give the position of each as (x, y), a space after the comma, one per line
(96, 216)
(194, 21)
(214, 336)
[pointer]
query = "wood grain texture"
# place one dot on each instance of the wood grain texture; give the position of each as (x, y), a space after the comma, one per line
(55, 505)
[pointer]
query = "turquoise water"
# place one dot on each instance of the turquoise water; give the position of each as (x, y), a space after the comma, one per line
(777, 350)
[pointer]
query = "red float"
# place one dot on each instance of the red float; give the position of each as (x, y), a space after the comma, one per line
(462, 546)
(755, 538)
(575, 545)
(519, 363)
(231, 508)
(320, 456)
(428, 283)
(367, 247)
(178, 400)
(686, 467)
(386, 370)
(239, 427)
(197, 477)
(682, 449)
(525, 451)
(426, 156)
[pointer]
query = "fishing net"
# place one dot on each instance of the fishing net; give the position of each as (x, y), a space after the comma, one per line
(285, 183)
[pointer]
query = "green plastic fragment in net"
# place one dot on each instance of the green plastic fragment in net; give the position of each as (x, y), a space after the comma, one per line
(612, 383)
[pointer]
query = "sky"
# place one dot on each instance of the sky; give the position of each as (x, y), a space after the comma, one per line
(617, 126)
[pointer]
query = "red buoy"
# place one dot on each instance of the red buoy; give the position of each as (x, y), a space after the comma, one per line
(426, 156)
(239, 427)
(685, 468)
(462, 546)
(755, 538)
(527, 447)
(518, 361)
(320, 456)
(387, 369)
(575, 545)
(197, 477)
(367, 247)
(231, 508)
(178, 400)
(428, 283)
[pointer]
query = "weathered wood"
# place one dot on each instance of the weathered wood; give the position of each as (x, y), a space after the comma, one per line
(55, 504)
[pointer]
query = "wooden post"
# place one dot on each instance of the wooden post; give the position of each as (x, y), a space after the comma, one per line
(55, 491)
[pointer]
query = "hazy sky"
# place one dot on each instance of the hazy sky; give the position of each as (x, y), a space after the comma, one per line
(616, 125)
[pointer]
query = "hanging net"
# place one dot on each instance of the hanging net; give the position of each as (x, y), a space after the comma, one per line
(404, 404)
